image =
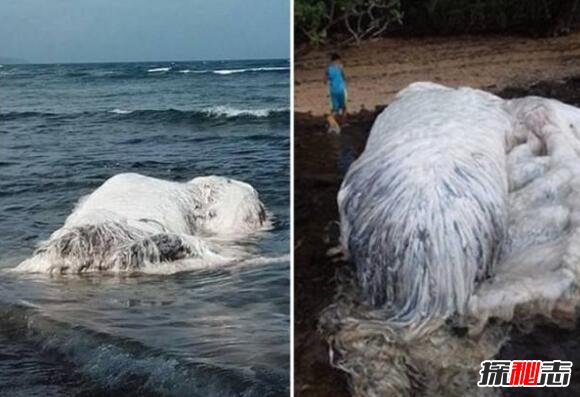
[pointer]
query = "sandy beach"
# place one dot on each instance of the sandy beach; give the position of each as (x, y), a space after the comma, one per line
(377, 70)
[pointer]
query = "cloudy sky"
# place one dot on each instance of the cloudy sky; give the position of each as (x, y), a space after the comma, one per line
(47, 31)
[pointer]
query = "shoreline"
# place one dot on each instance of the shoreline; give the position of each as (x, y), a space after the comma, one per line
(378, 69)
(566, 87)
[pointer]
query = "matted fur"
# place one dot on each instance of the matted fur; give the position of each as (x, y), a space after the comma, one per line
(417, 338)
(133, 222)
(424, 208)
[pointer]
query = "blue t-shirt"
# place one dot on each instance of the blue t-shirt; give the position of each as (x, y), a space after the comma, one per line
(336, 78)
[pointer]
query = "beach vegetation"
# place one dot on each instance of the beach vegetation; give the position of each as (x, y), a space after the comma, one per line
(351, 21)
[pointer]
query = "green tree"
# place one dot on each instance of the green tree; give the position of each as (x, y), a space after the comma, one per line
(357, 19)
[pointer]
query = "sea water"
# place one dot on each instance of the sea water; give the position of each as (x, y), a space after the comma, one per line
(64, 130)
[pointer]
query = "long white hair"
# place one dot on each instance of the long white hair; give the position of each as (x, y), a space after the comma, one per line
(462, 208)
(134, 222)
(424, 208)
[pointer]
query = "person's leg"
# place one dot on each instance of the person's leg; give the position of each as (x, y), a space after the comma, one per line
(335, 103)
(342, 107)
(332, 123)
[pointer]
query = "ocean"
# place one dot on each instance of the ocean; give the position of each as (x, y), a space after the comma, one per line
(64, 130)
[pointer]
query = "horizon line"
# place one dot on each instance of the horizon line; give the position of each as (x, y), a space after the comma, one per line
(166, 61)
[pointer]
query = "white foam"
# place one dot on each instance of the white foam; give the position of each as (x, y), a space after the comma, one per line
(228, 111)
(185, 71)
(120, 111)
(247, 261)
(262, 69)
(234, 71)
(157, 70)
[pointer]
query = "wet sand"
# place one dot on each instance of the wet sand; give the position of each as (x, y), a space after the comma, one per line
(377, 70)
(318, 173)
(321, 160)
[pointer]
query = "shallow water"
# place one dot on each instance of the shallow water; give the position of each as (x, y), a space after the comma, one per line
(65, 129)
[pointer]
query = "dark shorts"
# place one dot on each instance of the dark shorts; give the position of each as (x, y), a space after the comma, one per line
(338, 101)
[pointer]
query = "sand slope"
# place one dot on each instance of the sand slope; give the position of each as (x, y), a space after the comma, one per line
(377, 70)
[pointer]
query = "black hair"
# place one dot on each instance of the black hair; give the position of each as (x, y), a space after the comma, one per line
(334, 57)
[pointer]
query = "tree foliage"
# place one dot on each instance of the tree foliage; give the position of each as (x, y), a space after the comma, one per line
(360, 19)
(321, 21)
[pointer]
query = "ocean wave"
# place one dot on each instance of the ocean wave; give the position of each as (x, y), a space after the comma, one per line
(185, 71)
(79, 73)
(138, 73)
(234, 71)
(158, 70)
(119, 363)
(230, 112)
(161, 115)
(197, 264)
(261, 69)
(9, 116)
(207, 114)
(121, 111)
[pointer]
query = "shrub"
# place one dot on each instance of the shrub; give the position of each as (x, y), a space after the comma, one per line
(316, 20)
(321, 21)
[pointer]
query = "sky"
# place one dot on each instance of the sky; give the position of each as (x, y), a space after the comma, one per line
(60, 31)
